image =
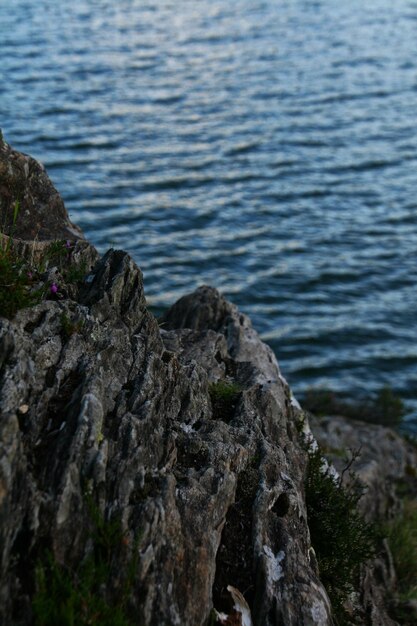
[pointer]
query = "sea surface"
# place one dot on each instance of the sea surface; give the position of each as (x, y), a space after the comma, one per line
(266, 147)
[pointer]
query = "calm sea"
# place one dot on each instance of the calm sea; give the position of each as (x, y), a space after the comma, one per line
(266, 147)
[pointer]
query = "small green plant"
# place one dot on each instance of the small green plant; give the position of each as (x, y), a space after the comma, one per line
(411, 438)
(24, 283)
(71, 598)
(75, 273)
(341, 537)
(224, 397)
(385, 408)
(15, 277)
(70, 327)
(388, 408)
(321, 401)
(57, 250)
(59, 254)
(16, 283)
(402, 539)
(224, 390)
(16, 210)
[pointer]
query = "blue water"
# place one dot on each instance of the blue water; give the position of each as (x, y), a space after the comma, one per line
(266, 147)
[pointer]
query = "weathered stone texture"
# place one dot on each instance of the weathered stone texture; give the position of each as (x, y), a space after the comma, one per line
(122, 412)
(42, 214)
(112, 409)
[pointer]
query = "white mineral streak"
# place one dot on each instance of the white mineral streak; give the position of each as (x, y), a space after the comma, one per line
(295, 403)
(308, 435)
(320, 610)
(326, 467)
(319, 613)
(275, 571)
(241, 606)
(293, 399)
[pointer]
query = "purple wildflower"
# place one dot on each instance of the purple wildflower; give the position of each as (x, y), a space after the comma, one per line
(54, 288)
(68, 244)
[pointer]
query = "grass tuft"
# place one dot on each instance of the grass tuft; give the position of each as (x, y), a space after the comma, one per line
(16, 284)
(81, 597)
(24, 283)
(224, 397)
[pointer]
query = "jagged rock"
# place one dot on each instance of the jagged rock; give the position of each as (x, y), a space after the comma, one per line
(41, 212)
(275, 570)
(108, 415)
(205, 309)
(216, 500)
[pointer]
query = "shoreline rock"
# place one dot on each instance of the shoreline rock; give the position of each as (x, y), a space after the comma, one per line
(111, 417)
(41, 211)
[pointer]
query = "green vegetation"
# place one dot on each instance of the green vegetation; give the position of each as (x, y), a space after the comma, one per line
(58, 254)
(224, 390)
(72, 599)
(341, 537)
(81, 597)
(224, 397)
(386, 408)
(16, 283)
(411, 438)
(16, 278)
(70, 327)
(402, 539)
(75, 273)
(24, 283)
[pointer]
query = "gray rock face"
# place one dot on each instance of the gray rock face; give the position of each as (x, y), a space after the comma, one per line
(217, 499)
(122, 409)
(104, 409)
(42, 214)
(269, 510)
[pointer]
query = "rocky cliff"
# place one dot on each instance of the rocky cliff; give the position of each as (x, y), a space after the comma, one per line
(158, 467)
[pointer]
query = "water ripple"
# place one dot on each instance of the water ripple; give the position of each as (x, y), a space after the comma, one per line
(266, 148)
